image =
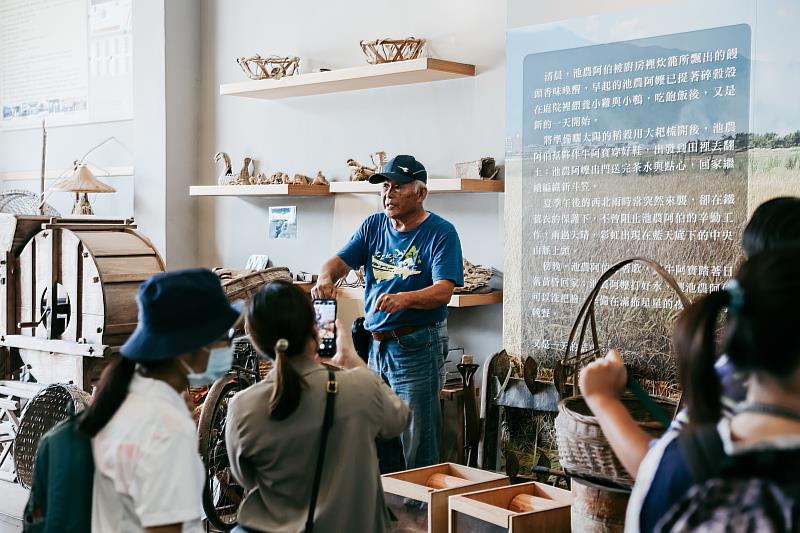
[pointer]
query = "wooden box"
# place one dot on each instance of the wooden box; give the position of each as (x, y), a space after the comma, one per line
(418, 497)
(529, 507)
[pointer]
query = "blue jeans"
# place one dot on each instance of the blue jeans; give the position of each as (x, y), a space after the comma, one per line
(413, 366)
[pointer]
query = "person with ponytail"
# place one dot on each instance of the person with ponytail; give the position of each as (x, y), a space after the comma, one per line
(148, 474)
(274, 429)
(775, 223)
(745, 468)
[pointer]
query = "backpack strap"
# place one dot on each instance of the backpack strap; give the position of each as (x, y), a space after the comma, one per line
(702, 448)
(331, 388)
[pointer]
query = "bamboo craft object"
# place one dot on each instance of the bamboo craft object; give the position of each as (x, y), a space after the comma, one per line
(266, 68)
(582, 447)
(391, 50)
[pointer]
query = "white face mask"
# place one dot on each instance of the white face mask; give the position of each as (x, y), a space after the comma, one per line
(220, 361)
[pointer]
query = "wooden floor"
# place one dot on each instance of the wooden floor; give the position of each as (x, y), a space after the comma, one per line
(12, 502)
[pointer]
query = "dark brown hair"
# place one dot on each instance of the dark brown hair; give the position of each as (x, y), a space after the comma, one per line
(776, 222)
(759, 334)
(280, 319)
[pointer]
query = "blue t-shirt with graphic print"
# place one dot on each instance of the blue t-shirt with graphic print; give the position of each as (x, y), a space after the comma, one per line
(402, 261)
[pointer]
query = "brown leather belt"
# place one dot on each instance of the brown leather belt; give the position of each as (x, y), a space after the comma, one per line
(394, 333)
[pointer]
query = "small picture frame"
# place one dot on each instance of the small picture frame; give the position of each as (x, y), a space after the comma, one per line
(283, 222)
(257, 262)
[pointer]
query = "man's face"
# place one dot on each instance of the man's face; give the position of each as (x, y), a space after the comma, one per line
(401, 199)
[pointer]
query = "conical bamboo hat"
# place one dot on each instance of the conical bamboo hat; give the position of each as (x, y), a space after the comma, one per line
(82, 180)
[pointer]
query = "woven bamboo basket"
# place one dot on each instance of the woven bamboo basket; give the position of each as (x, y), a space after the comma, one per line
(391, 50)
(582, 447)
(50, 406)
(243, 284)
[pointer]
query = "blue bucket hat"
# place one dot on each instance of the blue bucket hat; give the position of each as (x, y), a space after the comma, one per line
(179, 312)
(402, 169)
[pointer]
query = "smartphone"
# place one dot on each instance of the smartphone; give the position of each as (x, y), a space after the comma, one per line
(325, 311)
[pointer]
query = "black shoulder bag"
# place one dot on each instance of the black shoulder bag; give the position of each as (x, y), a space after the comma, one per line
(331, 387)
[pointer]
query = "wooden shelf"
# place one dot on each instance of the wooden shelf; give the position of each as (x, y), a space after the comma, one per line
(458, 300)
(355, 187)
(434, 186)
(259, 190)
(343, 187)
(351, 79)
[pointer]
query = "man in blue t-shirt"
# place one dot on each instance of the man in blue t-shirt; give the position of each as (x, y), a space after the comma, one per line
(412, 261)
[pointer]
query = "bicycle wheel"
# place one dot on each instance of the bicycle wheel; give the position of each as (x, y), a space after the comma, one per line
(222, 493)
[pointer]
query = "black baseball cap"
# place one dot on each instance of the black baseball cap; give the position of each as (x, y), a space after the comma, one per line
(402, 169)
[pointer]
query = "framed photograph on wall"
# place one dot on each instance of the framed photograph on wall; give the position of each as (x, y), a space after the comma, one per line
(283, 222)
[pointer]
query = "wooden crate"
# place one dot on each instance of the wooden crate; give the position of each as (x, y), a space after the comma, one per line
(422, 507)
(497, 510)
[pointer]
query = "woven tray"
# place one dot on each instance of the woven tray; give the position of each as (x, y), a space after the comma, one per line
(50, 406)
(582, 448)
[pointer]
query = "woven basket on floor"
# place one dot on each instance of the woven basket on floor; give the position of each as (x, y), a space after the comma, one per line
(582, 447)
(50, 406)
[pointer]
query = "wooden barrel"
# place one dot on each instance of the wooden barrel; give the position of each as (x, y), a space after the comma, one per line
(95, 270)
(598, 509)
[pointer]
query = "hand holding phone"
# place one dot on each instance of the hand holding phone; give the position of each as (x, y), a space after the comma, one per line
(325, 311)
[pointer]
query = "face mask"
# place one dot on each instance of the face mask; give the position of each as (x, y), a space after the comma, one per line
(220, 361)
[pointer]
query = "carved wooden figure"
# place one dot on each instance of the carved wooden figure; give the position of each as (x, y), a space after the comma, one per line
(320, 179)
(227, 174)
(360, 172)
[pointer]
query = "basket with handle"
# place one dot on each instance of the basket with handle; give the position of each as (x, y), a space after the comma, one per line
(583, 449)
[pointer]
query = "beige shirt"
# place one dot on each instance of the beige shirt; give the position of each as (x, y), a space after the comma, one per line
(275, 460)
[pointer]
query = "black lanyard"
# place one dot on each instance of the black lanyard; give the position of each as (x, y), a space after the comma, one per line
(331, 388)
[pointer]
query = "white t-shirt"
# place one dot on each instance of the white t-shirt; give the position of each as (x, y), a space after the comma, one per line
(147, 469)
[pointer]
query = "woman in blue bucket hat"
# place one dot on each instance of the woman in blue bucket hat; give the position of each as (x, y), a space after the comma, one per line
(148, 474)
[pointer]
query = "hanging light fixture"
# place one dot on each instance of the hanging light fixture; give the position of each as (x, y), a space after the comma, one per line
(82, 182)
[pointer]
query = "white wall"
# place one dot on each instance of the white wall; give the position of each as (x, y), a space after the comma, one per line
(182, 92)
(440, 123)
(21, 151)
(161, 141)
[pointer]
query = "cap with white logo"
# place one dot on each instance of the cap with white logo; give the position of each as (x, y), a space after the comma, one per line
(401, 169)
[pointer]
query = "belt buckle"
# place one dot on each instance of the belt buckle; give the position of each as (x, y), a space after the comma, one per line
(332, 387)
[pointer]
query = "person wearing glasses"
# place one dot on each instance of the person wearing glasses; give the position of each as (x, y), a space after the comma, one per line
(412, 261)
(148, 474)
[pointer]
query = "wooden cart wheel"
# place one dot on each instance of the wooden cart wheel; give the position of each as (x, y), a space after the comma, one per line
(222, 494)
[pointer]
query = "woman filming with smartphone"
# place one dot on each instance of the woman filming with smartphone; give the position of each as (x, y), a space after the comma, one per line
(302, 442)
